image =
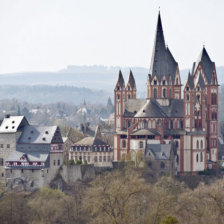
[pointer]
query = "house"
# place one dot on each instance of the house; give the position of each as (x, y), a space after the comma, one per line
(92, 150)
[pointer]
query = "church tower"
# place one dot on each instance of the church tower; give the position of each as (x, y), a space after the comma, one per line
(119, 99)
(130, 87)
(164, 77)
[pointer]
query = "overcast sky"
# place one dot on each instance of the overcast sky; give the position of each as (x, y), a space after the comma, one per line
(48, 35)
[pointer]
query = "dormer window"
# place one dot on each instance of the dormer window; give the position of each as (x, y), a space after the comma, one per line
(198, 88)
(44, 139)
(164, 82)
(187, 88)
(118, 88)
(46, 132)
(13, 122)
(155, 82)
(31, 132)
(6, 127)
(13, 127)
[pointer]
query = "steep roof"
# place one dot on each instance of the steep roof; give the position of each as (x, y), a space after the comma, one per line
(39, 135)
(131, 80)
(152, 108)
(120, 80)
(12, 124)
(162, 62)
(160, 151)
(206, 63)
(190, 81)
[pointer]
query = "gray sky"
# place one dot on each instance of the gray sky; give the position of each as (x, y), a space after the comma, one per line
(48, 35)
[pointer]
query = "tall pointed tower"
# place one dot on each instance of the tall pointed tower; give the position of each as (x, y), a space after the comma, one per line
(119, 99)
(130, 87)
(164, 77)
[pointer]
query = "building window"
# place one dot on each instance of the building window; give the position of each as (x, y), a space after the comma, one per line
(54, 162)
(155, 82)
(164, 82)
(2, 174)
(2, 146)
(201, 144)
(177, 144)
(144, 124)
(164, 93)
(155, 93)
(118, 96)
(123, 144)
(201, 157)
(59, 162)
(104, 158)
(8, 146)
(187, 97)
(214, 116)
(108, 159)
(162, 165)
(214, 98)
(197, 144)
(129, 96)
(1, 162)
(95, 159)
(21, 170)
(140, 144)
(171, 124)
(100, 158)
(197, 158)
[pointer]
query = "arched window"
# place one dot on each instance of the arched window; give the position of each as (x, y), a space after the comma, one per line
(155, 93)
(164, 93)
(171, 124)
(197, 158)
(214, 98)
(201, 157)
(123, 144)
(187, 97)
(118, 96)
(140, 144)
(144, 124)
(201, 144)
(162, 165)
(129, 96)
(150, 124)
(177, 159)
(176, 81)
(129, 124)
(197, 144)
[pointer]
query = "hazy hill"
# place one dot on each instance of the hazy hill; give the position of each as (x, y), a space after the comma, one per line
(73, 84)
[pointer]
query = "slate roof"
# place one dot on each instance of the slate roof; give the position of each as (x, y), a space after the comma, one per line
(132, 106)
(11, 124)
(160, 151)
(38, 134)
(206, 63)
(31, 156)
(150, 108)
(120, 80)
(162, 62)
(131, 80)
(146, 132)
(189, 81)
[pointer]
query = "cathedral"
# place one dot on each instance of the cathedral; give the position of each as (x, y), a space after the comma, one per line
(190, 121)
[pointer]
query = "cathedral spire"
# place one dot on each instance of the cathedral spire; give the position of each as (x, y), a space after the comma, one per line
(162, 62)
(120, 81)
(131, 80)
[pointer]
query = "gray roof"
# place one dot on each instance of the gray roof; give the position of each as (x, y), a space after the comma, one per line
(31, 156)
(120, 80)
(146, 132)
(160, 151)
(206, 63)
(38, 135)
(131, 80)
(12, 124)
(150, 108)
(190, 81)
(162, 62)
(174, 132)
(132, 106)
